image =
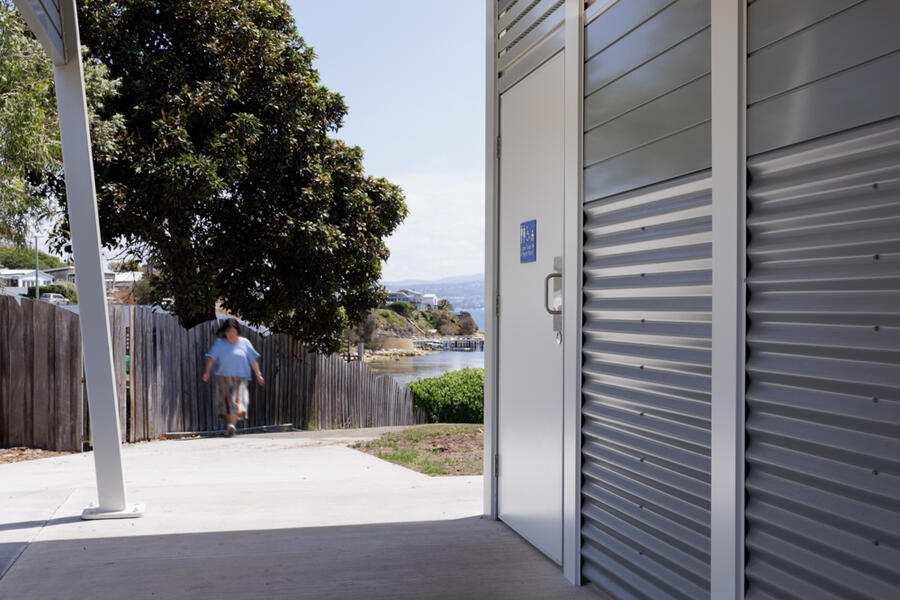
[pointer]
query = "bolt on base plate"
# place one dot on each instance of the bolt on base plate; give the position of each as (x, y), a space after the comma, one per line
(131, 511)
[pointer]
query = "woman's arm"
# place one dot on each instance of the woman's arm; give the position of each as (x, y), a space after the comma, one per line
(210, 361)
(259, 378)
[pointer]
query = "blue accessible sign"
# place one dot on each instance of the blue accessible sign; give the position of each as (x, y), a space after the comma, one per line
(528, 241)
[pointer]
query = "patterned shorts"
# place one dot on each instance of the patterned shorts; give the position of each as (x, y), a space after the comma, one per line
(232, 396)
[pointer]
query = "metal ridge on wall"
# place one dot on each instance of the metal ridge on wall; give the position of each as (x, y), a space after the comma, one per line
(823, 400)
(528, 32)
(646, 391)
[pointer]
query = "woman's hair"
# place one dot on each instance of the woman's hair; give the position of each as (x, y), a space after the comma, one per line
(228, 324)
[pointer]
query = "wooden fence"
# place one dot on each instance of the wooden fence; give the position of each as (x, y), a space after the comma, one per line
(43, 400)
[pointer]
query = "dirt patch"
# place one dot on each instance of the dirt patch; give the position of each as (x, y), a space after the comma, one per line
(452, 444)
(435, 449)
(21, 453)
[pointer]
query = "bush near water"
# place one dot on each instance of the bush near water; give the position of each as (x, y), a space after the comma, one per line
(454, 397)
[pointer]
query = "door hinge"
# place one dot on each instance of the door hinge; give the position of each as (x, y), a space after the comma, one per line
(498, 146)
(496, 465)
(497, 305)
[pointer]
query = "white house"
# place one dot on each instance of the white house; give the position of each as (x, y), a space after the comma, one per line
(420, 300)
(429, 301)
(18, 281)
(127, 279)
(413, 297)
(397, 297)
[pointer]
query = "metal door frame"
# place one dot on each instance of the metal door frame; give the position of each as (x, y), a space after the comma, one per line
(572, 284)
(572, 217)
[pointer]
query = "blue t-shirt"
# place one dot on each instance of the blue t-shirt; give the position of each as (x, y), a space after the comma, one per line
(233, 360)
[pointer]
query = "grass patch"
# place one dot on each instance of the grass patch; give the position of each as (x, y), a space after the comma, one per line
(433, 449)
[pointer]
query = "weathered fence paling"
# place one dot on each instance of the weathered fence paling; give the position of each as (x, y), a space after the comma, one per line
(40, 376)
(43, 399)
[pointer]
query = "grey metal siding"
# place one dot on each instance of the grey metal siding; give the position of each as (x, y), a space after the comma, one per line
(528, 33)
(647, 94)
(823, 396)
(817, 67)
(647, 300)
(646, 391)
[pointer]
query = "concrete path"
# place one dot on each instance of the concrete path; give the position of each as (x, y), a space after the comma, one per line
(288, 515)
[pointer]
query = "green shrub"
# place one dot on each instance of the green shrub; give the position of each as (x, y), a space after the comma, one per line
(402, 308)
(455, 397)
(65, 288)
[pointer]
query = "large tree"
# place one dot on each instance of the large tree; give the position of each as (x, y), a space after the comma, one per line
(228, 179)
(19, 257)
(30, 153)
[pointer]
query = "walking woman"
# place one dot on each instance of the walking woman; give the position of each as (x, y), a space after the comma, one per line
(234, 357)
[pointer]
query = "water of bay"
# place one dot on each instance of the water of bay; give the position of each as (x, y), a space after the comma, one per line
(411, 368)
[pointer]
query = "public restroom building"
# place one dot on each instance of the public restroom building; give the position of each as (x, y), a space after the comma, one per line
(693, 264)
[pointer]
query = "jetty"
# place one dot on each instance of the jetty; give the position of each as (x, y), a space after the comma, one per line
(457, 343)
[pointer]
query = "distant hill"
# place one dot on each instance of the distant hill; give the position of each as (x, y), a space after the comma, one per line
(463, 291)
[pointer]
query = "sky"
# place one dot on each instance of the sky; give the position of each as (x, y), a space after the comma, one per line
(412, 75)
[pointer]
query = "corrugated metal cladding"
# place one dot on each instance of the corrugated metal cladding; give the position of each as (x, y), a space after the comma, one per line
(647, 300)
(646, 392)
(823, 401)
(823, 355)
(647, 94)
(528, 33)
(817, 67)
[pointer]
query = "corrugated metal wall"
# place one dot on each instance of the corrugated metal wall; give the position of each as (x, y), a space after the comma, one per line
(823, 356)
(528, 33)
(823, 402)
(647, 300)
(646, 392)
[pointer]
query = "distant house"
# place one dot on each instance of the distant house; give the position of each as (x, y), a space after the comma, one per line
(66, 273)
(397, 297)
(17, 281)
(418, 299)
(430, 301)
(111, 280)
(413, 297)
(127, 279)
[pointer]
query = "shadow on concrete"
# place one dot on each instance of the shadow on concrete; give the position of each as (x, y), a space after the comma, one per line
(467, 559)
(32, 524)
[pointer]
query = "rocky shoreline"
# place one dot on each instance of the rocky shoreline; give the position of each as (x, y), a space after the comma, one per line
(394, 353)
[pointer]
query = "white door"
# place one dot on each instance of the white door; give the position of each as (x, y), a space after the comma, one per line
(530, 415)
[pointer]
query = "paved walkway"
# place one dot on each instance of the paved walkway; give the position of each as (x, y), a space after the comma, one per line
(290, 515)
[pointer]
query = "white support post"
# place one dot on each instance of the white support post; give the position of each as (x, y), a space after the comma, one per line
(491, 258)
(85, 231)
(572, 223)
(729, 59)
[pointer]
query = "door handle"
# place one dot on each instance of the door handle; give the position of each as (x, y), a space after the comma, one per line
(547, 293)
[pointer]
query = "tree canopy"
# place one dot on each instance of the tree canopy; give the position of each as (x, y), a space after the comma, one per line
(125, 266)
(30, 152)
(467, 325)
(226, 177)
(16, 257)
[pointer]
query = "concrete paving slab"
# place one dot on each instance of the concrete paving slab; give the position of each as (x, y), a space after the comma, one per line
(261, 516)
